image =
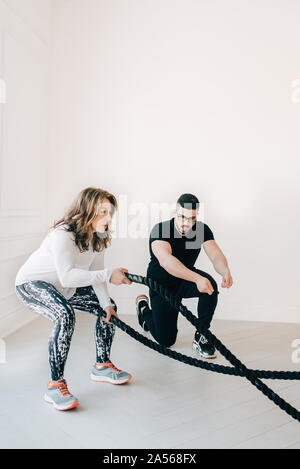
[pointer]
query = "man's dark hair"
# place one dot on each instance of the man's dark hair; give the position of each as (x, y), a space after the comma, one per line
(188, 201)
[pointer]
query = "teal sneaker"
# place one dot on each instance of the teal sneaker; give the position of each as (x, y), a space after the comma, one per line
(203, 347)
(59, 395)
(108, 373)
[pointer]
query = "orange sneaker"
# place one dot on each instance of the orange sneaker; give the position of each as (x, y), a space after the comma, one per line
(59, 395)
(109, 373)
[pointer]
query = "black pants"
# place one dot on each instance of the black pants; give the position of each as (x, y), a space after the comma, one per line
(43, 298)
(162, 318)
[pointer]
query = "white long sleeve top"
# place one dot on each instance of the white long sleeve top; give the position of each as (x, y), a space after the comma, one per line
(59, 262)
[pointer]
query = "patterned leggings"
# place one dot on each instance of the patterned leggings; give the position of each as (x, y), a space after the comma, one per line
(43, 298)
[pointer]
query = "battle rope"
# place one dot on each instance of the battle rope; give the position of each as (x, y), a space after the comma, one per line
(238, 369)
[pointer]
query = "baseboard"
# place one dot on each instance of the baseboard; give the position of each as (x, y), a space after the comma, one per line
(22, 316)
(227, 310)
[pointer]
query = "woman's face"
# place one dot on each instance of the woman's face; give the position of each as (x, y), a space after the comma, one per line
(104, 215)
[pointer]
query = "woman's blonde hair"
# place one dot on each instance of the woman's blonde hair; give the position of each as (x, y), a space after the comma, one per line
(80, 216)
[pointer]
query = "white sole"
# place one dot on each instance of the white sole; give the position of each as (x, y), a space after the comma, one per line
(201, 354)
(59, 406)
(104, 379)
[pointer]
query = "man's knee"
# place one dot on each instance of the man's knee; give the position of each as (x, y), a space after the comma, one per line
(167, 340)
(167, 343)
(215, 287)
(211, 279)
(215, 294)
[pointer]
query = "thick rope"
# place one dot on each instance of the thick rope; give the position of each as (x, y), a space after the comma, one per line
(238, 369)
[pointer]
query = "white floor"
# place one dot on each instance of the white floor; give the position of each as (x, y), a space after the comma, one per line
(166, 405)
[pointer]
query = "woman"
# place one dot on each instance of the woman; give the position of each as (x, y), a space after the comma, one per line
(66, 272)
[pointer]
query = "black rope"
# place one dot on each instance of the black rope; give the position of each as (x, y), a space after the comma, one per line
(238, 369)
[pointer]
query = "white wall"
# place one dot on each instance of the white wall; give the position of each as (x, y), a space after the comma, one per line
(24, 69)
(150, 99)
(155, 98)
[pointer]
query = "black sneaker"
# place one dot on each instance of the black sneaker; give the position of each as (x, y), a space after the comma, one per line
(203, 347)
(141, 300)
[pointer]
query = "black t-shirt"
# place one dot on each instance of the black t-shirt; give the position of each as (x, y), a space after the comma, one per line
(185, 248)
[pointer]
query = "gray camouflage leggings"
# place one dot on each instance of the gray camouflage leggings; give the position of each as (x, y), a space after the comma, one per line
(43, 298)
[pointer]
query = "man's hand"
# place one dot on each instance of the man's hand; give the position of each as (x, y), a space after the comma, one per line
(109, 312)
(204, 285)
(118, 277)
(227, 280)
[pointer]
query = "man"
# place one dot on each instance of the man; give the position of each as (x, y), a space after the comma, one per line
(174, 247)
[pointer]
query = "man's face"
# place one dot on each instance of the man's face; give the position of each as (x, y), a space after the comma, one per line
(185, 219)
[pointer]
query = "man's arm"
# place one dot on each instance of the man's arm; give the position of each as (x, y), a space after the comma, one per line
(163, 251)
(219, 261)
